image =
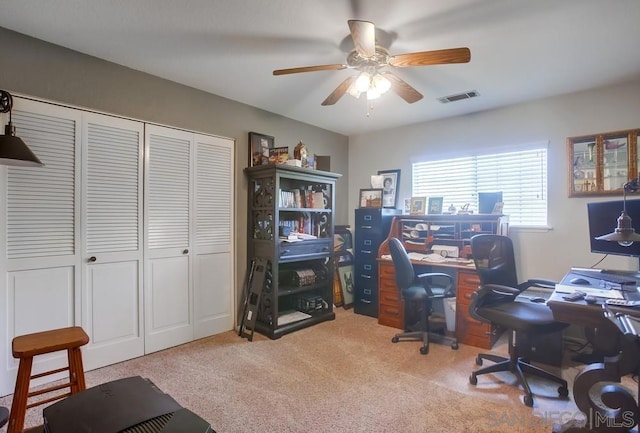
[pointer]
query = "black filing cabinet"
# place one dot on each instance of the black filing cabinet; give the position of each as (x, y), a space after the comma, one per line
(371, 228)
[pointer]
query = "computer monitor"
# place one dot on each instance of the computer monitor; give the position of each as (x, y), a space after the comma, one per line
(603, 219)
(487, 201)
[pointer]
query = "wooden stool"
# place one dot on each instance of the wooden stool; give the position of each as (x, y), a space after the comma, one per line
(25, 347)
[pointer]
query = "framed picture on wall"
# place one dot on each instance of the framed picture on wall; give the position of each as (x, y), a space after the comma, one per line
(390, 187)
(259, 145)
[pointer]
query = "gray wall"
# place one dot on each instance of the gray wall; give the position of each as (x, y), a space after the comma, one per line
(31, 67)
(542, 253)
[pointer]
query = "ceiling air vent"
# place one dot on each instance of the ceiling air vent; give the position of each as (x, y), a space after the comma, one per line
(460, 96)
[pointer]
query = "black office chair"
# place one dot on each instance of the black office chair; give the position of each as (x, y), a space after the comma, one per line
(4, 416)
(495, 302)
(418, 292)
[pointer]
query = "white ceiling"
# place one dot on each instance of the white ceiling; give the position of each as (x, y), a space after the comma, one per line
(520, 49)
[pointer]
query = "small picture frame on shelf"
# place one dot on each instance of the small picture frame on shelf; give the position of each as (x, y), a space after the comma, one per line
(418, 205)
(259, 145)
(435, 205)
(390, 187)
(371, 198)
(497, 208)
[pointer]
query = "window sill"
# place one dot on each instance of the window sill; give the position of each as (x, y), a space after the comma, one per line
(530, 229)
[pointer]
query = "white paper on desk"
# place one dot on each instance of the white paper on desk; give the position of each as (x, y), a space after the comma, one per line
(599, 293)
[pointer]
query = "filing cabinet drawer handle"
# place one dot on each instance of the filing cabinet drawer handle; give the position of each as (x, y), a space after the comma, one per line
(365, 301)
(365, 276)
(366, 251)
(367, 227)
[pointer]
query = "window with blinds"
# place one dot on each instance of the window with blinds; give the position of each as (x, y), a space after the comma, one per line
(521, 176)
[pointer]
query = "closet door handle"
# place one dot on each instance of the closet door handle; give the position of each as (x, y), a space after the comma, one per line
(185, 251)
(92, 259)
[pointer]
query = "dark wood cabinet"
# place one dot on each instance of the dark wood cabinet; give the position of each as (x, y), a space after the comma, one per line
(371, 228)
(291, 224)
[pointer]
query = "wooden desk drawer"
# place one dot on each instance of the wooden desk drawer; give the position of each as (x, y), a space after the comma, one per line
(389, 297)
(391, 315)
(386, 271)
(390, 305)
(468, 282)
(468, 330)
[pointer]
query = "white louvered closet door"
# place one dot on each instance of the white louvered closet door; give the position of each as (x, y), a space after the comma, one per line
(112, 298)
(214, 228)
(40, 240)
(168, 197)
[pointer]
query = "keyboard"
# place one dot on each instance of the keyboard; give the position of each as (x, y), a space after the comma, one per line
(598, 293)
(605, 276)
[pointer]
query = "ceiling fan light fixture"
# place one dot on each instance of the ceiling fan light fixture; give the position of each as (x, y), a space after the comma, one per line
(353, 91)
(363, 82)
(372, 94)
(380, 84)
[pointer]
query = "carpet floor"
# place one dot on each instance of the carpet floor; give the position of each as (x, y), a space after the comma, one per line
(340, 376)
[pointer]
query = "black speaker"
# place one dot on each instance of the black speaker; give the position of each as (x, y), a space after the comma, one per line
(543, 348)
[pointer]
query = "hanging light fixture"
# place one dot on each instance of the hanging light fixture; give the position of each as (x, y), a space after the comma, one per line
(624, 233)
(14, 151)
(371, 82)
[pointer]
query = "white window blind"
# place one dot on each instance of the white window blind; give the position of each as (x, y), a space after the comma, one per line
(521, 176)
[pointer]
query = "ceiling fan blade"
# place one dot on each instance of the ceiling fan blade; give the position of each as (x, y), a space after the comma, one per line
(438, 57)
(309, 69)
(339, 92)
(403, 90)
(363, 34)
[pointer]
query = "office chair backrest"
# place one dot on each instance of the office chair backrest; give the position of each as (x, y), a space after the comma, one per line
(494, 259)
(405, 275)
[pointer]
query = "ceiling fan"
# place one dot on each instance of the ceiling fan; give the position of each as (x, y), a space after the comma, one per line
(371, 59)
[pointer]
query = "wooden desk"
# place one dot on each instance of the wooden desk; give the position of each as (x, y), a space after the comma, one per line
(598, 383)
(468, 330)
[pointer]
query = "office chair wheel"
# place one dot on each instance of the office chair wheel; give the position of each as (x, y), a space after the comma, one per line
(473, 379)
(395, 339)
(528, 401)
(424, 350)
(563, 391)
(478, 360)
(454, 345)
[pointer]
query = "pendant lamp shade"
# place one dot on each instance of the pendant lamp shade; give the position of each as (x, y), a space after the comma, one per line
(624, 233)
(14, 151)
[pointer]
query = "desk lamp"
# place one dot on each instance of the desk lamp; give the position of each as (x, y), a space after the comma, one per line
(14, 151)
(624, 233)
